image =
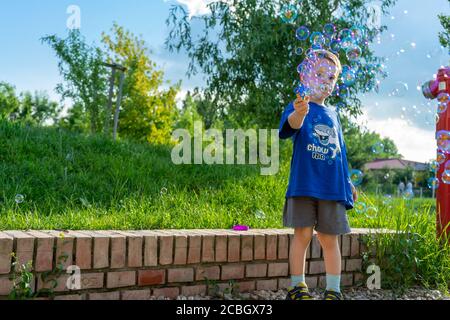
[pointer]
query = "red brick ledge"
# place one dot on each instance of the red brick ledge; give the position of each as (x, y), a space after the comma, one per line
(140, 264)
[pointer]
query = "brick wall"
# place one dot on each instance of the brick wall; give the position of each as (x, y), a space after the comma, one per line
(140, 264)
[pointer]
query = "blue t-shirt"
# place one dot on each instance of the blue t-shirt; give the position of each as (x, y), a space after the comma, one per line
(319, 166)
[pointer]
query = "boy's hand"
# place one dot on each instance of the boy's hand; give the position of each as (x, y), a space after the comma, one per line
(301, 105)
(355, 193)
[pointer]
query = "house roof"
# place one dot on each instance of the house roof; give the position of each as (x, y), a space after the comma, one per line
(395, 164)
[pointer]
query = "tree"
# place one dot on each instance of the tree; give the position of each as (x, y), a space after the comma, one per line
(38, 109)
(85, 77)
(9, 102)
(444, 37)
(247, 53)
(148, 113)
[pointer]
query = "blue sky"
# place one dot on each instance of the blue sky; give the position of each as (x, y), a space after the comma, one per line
(411, 44)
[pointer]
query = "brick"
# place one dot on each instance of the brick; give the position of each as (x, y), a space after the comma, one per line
(134, 249)
(101, 243)
(121, 279)
(71, 297)
(322, 282)
(195, 247)
(64, 248)
(6, 248)
(44, 251)
(316, 267)
(6, 286)
(118, 244)
(210, 273)
(247, 248)
(136, 295)
(83, 250)
(181, 244)
(358, 279)
(284, 283)
(345, 251)
(166, 249)
(316, 250)
(115, 295)
(271, 246)
(151, 250)
(49, 283)
(283, 246)
(269, 285)
(190, 291)
(256, 270)
(234, 248)
(24, 247)
(353, 265)
(354, 246)
(311, 281)
(233, 271)
(278, 269)
(246, 286)
(221, 248)
(207, 248)
(151, 277)
(180, 275)
(92, 280)
(260, 247)
(347, 279)
(171, 293)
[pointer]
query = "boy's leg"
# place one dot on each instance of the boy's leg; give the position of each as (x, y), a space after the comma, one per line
(300, 243)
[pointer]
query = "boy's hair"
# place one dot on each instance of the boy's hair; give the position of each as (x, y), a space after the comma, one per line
(325, 54)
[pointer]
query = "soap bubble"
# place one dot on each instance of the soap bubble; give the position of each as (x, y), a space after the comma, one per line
(353, 53)
(163, 191)
(443, 140)
(387, 200)
(335, 46)
(347, 43)
(343, 91)
(433, 183)
(441, 157)
(360, 207)
(358, 33)
(345, 33)
(317, 40)
(302, 33)
(288, 13)
(371, 212)
(447, 166)
(299, 51)
(442, 107)
(302, 90)
(408, 195)
(259, 214)
(19, 198)
(329, 29)
(400, 89)
(378, 148)
(446, 177)
(434, 166)
(387, 176)
(356, 177)
(348, 76)
(443, 97)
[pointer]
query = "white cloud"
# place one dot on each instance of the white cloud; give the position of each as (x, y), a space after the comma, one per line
(413, 143)
(195, 7)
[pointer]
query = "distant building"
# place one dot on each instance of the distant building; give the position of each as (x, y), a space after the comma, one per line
(380, 164)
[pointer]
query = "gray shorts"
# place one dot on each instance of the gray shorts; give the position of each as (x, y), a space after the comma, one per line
(328, 217)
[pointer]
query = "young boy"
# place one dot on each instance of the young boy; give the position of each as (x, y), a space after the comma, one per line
(320, 190)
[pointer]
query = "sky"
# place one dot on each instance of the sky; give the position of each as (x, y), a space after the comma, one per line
(410, 44)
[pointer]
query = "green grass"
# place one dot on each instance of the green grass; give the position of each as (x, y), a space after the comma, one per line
(77, 182)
